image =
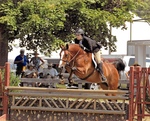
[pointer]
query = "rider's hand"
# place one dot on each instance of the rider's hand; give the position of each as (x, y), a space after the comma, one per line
(85, 49)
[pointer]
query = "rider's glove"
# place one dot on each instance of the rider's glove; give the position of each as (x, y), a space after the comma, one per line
(85, 49)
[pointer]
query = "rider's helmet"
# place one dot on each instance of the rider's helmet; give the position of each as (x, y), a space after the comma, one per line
(80, 31)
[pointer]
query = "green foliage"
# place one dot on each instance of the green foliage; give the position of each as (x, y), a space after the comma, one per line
(8, 14)
(96, 17)
(143, 10)
(14, 81)
(45, 24)
(33, 22)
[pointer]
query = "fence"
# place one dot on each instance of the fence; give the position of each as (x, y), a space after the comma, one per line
(4, 81)
(51, 82)
(70, 104)
(139, 93)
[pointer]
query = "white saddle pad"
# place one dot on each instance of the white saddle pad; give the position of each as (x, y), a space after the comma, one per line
(93, 59)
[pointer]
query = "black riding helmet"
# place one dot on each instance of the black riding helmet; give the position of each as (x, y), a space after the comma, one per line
(80, 31)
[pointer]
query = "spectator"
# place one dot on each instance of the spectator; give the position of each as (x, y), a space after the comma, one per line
(21, 61)
(30, 72)
(37, 61)
(135, 65)
(128, 73)
(51, 72)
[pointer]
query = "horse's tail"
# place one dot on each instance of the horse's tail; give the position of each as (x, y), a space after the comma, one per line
(120, 65)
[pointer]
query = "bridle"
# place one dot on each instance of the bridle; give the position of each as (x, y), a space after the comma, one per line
(72, 59)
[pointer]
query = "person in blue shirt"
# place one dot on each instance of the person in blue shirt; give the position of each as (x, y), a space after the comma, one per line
(21, 61)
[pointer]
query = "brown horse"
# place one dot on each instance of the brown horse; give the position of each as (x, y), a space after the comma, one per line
(80, 63)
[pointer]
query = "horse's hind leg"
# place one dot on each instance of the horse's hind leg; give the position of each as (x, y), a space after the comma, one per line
(113, 86)
(104, 87)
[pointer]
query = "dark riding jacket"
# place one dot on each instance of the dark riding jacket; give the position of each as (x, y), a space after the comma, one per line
(91, 45)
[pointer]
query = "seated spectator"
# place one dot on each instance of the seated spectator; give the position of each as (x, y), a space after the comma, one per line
(30, 72)
(50, 71)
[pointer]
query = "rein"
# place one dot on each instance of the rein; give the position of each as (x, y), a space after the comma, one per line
(75, 56)
(71, 55)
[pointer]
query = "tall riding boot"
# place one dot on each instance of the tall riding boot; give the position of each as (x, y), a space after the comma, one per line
(100, 70)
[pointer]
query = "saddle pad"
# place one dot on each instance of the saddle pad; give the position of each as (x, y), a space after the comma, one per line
(93, 59)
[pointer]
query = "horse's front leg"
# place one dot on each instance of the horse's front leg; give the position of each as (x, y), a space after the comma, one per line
(70, 78)
(60, 74)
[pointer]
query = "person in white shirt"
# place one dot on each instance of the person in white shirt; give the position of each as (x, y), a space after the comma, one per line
(30, 72)
(51, 72)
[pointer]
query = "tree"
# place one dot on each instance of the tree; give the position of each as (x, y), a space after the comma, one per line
(45, 24)
(96, 17)
(33, 22)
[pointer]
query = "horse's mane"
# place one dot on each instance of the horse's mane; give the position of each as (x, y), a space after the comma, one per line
(74, 47)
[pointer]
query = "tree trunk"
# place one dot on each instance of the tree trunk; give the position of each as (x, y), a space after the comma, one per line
(3, 47)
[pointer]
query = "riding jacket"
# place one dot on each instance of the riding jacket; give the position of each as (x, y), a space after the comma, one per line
(90, 45)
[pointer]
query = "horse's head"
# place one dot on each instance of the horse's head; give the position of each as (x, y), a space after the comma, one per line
(68, 53)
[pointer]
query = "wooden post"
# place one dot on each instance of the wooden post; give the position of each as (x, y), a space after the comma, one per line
(139, 100)
(1, 87)
(131, 88)
(7, 78)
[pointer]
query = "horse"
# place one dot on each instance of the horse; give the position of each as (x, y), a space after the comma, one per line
(79, 62)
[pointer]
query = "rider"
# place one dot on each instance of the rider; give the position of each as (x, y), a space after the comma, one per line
(91, 46)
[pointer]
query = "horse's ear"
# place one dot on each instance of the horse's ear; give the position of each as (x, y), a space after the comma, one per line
(62, 46)
(67, 46)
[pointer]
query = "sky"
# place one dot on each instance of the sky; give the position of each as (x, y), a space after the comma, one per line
(140, 31)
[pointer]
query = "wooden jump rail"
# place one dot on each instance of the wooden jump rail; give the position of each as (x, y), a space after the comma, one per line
(50, 82)
(71, 100)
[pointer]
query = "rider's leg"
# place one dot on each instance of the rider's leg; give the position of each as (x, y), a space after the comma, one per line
(97, 56)
(100, 69)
